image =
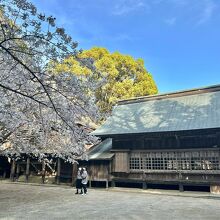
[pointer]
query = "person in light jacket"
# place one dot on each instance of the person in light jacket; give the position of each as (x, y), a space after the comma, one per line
(79, 181)
(84, 176)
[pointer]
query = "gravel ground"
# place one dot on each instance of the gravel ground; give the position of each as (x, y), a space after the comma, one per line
(19, 201)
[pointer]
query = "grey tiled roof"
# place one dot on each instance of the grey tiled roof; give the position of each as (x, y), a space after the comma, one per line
(101, 151)
(186, 112)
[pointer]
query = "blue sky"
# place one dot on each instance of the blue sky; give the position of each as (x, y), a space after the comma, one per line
(179, 40)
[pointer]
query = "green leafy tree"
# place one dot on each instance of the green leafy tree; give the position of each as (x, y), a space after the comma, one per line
(120, 76)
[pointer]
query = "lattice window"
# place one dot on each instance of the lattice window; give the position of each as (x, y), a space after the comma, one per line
(175, 160)
(135, 163)
(147, 164)
(157, 163)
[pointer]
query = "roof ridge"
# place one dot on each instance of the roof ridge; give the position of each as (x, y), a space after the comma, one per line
(180, 93)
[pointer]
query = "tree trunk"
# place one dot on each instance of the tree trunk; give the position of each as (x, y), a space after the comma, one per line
(13, 165)
(17, 171)
(58, 170)
(43, 172)
(74, 173)
(27, 168)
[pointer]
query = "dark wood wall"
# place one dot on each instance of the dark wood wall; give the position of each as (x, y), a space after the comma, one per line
(184, 140)
(201, 142)
(97, 169)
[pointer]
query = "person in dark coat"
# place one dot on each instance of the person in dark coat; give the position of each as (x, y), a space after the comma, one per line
(79, 181)
(84, 176)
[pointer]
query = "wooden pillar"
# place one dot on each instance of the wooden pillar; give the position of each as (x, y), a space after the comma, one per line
(27, 168)
(13, 165)
(4, 174)
(74, 173)
(43, 172)
(144, 185)
(113, 183)
(106, 185)
(181, 188)
(17, 171)
(58, 170)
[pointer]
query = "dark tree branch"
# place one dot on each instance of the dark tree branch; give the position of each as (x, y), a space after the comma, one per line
(22, 94)
(41, 83)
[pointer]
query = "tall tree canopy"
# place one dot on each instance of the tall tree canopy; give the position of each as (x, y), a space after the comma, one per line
(124, 77)
(39, 111)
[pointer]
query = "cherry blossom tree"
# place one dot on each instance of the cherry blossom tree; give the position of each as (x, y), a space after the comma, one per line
(40, 112)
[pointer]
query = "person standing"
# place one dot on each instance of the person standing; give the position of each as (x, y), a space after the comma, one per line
(79, 181)
(84, 176)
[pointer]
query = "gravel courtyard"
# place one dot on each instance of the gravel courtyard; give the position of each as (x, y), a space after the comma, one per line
(19, 201)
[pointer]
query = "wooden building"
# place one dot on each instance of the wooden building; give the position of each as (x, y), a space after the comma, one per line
(29, 169)
(99, 164)
(52, 169)
(170, 138)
